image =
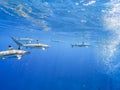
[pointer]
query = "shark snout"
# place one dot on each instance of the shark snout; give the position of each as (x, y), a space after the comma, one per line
(27, 52)
(48, 46)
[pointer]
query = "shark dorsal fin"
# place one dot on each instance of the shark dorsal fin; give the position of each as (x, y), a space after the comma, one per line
(37, 41)
(10, 47)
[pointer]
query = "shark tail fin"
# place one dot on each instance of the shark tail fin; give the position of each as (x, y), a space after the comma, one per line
(17, 42)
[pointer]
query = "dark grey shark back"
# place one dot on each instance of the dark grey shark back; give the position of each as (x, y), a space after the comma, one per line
(17, 42)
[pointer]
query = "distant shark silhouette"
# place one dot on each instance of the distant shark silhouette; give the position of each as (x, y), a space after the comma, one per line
(25, 39)
(31, 45)
(13, 53)
(80, 45)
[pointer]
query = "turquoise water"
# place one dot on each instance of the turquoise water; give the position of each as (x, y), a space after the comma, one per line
(60, 23)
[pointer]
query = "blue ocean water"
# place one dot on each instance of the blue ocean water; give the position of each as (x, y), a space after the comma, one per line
(60, 23)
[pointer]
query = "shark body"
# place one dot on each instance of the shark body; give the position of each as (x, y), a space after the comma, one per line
(31, 45)
(80, 45)
(13, 53)
(25, 39)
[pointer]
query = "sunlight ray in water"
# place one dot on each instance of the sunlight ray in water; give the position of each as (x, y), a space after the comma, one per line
(111, 20)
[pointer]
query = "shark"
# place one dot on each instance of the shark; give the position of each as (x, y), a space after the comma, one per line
(13, 53)
(80, 45)
(31, 45)
(25, 39)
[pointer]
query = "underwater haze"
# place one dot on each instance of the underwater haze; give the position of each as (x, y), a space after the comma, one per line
(59, 24)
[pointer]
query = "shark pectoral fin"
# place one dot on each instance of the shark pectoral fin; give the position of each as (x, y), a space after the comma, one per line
(43, 49)
(19, 57)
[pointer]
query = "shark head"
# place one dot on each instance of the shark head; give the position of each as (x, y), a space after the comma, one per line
(26, 52)
(45, 46)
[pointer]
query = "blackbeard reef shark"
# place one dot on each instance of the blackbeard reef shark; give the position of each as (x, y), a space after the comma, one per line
(83, 44)
(13, 53)
(31, 45)
(25, 39)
